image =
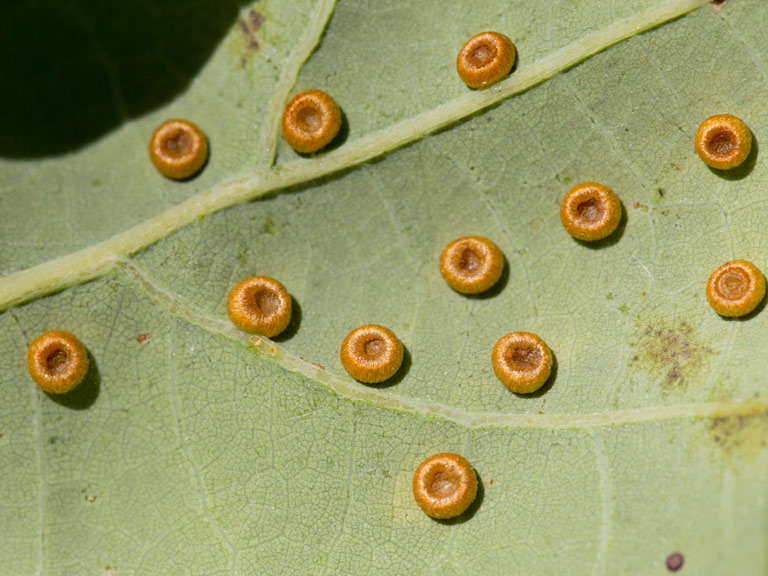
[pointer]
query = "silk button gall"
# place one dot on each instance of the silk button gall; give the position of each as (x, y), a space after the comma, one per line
(260, 305)
(471, 264)
(57, 361)
(445, 485)
(485, 59)
(311, 120)
(736, 288)
(590, 211)
(723, 141)
(178, 149)
(371, 354)
(522, 361)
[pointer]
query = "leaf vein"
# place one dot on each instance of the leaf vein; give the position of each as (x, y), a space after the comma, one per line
(96, 260)
(354, 392)
(290, 72)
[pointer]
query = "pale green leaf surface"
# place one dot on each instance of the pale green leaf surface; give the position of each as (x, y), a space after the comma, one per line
(81, 198)
(196, 449)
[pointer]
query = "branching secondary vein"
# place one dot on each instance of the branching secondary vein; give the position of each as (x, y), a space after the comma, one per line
(430, 409)
(306, 45)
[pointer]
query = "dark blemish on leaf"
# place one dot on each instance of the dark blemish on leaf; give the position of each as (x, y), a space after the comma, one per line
(673, 352)
(249, 24)
(660, 192)
(490, 482)
(54, 439)
(256, 18)
(675, 562)
(745, 434)
(96, 183)
(269, 226)
(143, 338)
(674, 373)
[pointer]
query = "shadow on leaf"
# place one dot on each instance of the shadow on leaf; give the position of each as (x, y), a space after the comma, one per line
(82, 397)
(73, 71)
(740, 172)
(469, 513)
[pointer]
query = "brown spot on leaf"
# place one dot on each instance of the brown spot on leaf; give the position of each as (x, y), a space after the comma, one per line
(673, 352)
(745, 434)
(249, 24)
(256, 18)
(143, 338)
(675, 562)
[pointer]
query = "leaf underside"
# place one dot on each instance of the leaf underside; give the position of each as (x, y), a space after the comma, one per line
(193, 449)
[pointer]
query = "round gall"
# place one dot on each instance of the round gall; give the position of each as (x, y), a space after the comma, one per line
(260, 305)
(590, 212)
(178, 149)
(471, 264)
(57, 361)
(311, 120)
(445, 485)
(371, 354)
(485, 59)
(723, 141)
(522, 361)
(736, 288)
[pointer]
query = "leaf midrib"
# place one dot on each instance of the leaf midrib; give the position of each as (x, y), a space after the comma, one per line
(96, 260)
